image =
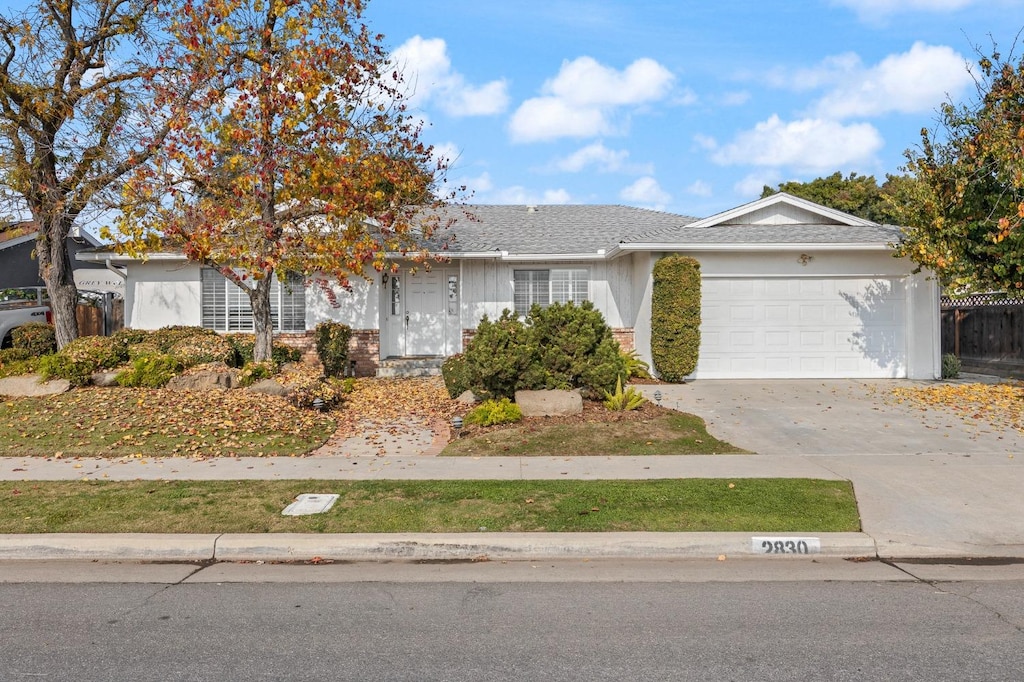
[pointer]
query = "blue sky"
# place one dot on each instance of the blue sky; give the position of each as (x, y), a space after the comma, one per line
(684, 106)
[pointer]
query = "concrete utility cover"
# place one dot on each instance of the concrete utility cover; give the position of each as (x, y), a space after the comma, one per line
(310, 504)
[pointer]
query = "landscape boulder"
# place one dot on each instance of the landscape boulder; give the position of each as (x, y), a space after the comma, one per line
(467, 397)
(205, 380)
(30, 386)
(270, 387)
(104, 379)
(549, 403)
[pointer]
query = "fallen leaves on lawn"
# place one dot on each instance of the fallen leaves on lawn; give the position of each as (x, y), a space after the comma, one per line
(999, 405)
(159, 422)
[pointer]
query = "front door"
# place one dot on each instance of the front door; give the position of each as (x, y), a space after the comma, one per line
(424, 314)
(414, 317)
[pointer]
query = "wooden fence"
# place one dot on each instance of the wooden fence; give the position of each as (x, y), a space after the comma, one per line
(102, 318)
(986, 332)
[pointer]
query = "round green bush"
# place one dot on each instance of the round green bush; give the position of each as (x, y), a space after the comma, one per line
(102, 352)
(197, 350)
(38, 338)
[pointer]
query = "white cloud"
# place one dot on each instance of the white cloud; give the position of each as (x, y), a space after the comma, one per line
(699, 188)
(549, 118)
(446, 152)
(813, 144)
(734, 99)
(918, 80)
(705, 141)
(518, 194)
(877, 9)
(601, 158)
(647, 192)
(752, 185)
(581, 101)
(427, 71)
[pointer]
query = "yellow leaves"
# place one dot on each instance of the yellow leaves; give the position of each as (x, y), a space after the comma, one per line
(999, 405)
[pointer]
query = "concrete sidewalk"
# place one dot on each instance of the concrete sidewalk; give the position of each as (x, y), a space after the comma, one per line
(927, 485)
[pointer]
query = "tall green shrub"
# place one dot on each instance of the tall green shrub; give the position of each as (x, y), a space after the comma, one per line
(455, 372)
(675, 317)
(332, 347)
(575, 348)
(499, 355)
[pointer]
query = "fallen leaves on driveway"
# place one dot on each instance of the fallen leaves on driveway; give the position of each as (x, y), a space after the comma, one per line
(1000, 405)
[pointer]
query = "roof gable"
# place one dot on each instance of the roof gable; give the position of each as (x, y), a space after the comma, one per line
(782, 209)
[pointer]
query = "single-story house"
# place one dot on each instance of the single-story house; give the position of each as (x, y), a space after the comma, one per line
(790, 289)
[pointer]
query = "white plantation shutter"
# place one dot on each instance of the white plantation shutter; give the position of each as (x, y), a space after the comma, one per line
(544, 287)
(226, 307)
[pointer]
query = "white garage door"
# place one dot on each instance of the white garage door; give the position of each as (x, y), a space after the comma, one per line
(802, 328)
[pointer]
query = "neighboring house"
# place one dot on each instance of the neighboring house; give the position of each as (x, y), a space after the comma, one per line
(18, 264)
(790, 289)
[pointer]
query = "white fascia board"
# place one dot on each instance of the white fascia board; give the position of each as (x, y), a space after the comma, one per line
(104, 256)
(11, 243)
(523, 257)
(783, 246)
(460, 255)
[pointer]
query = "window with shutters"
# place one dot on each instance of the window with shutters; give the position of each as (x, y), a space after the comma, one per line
(545, 287)
(226, 307)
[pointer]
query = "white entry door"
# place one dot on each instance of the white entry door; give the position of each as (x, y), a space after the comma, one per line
(424, 313)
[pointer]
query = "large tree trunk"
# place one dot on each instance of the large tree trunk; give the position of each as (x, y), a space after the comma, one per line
(56, 271)
(259, 299)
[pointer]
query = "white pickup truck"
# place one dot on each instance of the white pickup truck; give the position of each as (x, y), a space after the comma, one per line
(21, 306)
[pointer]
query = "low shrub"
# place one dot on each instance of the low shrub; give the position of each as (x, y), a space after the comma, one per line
(255, 372)
(131, 337)
(951, 366)
(143, 349)
(246, 343)
(308, 388)
(491, 412)
(61, 366)
(16, 361)
(167, 337)
(38, 338)
(575, 349)
(456, 375)
(150, 371)
(200, 349)
(622, 401)
(332, 347)
(102, 352)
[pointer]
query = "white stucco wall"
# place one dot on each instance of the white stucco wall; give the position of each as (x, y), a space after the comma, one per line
(161, 293)
(358, 308)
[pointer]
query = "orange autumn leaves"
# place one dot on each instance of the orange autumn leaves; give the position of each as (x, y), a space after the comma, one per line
(999, 405)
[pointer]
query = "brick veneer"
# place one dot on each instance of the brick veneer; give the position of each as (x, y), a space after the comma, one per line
(625, 338)
(363, 348)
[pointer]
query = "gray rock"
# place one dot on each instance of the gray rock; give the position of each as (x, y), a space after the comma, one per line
(104, 379)
(29, 386)
(468, 398)
(205, 380)
(270, 387)
(549, 403)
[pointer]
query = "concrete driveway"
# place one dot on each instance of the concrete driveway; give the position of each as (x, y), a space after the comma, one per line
(831, 417)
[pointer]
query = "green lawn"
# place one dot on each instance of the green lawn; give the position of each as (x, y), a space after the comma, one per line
(754, 505)
(665, 432)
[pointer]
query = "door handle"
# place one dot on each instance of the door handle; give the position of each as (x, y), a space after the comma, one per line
(407, 319)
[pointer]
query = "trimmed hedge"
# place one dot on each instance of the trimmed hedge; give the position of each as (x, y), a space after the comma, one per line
(675, 317)
(332, 347)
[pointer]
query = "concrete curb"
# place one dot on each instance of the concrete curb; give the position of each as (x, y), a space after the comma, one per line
(410, 546)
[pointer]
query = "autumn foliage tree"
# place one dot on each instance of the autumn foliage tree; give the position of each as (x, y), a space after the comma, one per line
(296, 157)
(72, 81)
(966, 212)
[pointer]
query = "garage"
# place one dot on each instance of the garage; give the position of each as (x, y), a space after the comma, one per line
(807, 327)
